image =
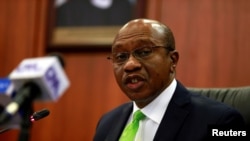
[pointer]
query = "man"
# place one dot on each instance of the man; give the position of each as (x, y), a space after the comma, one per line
(144, 62)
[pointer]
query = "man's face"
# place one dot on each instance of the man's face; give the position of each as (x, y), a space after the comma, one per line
(144, 75)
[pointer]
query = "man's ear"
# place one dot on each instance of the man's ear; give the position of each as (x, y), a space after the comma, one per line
(174, 55)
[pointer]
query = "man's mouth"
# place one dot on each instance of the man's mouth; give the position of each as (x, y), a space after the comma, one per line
(134, 82)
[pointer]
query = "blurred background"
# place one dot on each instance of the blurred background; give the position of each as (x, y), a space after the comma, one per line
(212, 37)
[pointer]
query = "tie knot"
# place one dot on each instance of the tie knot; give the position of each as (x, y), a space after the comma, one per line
(138, 115)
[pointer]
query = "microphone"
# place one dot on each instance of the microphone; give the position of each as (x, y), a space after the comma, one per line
(46, 72)
(39, 78)
(34, 117)
(39, 115)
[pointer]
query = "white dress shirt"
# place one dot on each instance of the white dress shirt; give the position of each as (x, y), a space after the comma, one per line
(154, 113)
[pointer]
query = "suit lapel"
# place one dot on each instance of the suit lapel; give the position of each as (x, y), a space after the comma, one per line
(175, 115)
(115, 132)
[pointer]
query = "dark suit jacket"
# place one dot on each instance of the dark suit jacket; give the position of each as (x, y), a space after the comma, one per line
(186, 119)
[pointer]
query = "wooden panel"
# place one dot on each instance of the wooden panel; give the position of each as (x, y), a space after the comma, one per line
(22, 31)
(212, 38)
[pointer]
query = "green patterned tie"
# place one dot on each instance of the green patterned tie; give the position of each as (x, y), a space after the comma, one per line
(130, 130)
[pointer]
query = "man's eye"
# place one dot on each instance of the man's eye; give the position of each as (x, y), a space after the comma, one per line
(121, 57)
(143, 52)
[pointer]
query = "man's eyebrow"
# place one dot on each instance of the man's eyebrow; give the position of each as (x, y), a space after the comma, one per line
(116, 46)
(144, 40)
(137, 42)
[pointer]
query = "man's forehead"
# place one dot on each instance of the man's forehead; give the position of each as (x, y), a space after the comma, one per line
(143, 25)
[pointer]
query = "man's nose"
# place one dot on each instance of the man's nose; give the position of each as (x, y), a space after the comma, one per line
(132, 63)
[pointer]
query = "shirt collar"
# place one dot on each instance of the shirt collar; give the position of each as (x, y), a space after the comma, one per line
(156, 109)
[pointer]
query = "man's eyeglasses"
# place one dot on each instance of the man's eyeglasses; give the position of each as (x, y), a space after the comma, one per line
(139, 53)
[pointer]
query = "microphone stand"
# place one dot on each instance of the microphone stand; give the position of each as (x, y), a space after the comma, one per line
(28, 94)
(26, 124)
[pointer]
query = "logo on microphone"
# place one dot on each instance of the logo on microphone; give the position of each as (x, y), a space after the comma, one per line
(53, 80)
(28, 67)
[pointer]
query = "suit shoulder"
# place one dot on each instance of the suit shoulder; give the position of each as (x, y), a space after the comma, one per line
(115, 114)
(118, 110)
(112, 120)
